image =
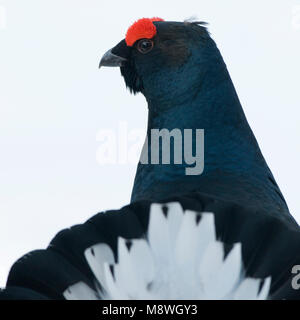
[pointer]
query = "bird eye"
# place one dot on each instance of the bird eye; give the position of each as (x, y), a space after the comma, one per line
(145, 45)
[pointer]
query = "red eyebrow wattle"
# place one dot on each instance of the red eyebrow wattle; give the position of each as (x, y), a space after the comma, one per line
(141, 29)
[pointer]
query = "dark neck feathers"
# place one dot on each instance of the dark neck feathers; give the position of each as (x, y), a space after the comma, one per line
(234, 168)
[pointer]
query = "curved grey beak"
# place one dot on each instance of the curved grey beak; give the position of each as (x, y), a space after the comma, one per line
(111, 60)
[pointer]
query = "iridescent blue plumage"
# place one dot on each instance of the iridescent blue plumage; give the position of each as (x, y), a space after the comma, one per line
(194, 90)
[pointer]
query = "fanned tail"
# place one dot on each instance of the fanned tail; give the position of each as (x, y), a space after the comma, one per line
(192, 247)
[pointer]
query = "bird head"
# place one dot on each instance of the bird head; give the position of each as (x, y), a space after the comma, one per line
(164, 60)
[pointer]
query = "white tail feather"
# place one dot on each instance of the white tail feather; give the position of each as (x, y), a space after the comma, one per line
(80, 291)
(180, 259)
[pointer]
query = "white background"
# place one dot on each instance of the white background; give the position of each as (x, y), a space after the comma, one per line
(54, 100)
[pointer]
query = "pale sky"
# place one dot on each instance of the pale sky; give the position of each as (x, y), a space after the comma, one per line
(54, 101)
